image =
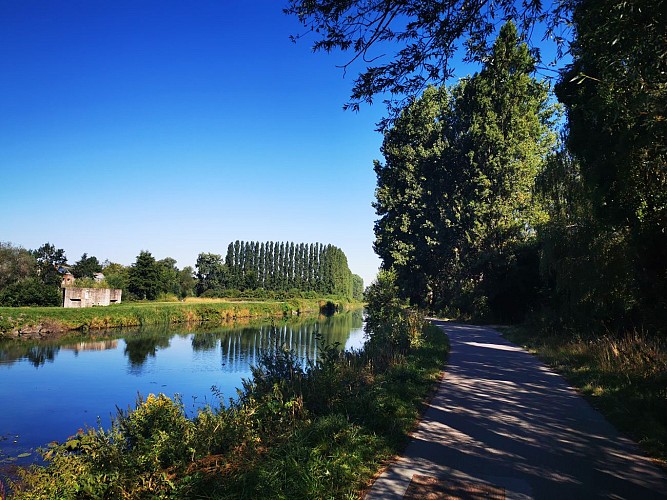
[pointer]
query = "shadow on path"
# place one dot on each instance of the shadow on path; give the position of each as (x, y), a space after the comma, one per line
(501, 418)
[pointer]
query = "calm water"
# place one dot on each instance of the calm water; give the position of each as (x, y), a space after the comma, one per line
(49, 391)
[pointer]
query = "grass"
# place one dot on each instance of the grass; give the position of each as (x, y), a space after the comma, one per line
(55, 320)
(322, 432)
(624, 377)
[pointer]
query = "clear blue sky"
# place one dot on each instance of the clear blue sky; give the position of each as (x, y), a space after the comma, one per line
(177, 127)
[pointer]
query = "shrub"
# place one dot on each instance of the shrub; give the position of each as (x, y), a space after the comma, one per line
(30, 292)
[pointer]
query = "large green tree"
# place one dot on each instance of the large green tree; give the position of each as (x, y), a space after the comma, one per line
(16, 264)
(212, 273)
(455, 194)
(86, 266)
(144, 277)
(49, 261)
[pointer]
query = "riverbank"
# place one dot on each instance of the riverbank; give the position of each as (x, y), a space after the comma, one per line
(37, 323)
(294, 433)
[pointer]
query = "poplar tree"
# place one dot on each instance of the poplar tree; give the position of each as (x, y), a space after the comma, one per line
(455, 193)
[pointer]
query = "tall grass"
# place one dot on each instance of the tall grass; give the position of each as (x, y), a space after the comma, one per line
(623, 376)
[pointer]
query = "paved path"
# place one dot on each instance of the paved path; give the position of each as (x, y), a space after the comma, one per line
(502, 419)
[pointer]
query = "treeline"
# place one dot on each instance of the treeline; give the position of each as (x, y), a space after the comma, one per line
(266, 270)
(485, 212)
(278, 267)
(34, 277)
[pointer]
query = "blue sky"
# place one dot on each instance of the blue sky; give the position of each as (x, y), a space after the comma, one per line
(177, 127)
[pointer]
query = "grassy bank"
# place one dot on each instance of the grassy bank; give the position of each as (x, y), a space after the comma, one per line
(625, 378)
(39, 322)
(320, 432)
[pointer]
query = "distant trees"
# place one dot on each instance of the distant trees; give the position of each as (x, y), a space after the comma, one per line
(86, 267)
(278, 267)
(30, 278)
(34, 277)
(49, 260)
(211, 273)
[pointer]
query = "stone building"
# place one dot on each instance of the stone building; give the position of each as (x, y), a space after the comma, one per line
(89, 297)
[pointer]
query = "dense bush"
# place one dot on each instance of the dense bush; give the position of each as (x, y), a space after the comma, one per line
(30, 292)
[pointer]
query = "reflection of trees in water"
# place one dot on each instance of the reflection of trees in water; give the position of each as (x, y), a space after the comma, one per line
(240, 347)
(37, 355)
(139, 348)
(205, 341)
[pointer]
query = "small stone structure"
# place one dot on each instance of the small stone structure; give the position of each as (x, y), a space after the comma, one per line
(89, 297)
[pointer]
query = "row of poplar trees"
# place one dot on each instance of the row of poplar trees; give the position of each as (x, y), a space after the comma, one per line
(279, 266)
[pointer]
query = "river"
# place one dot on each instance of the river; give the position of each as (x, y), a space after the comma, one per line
(50, 390)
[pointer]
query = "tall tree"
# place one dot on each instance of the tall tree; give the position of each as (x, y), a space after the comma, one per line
(186, 282)
(144, 277)
(455, 194)
(212, 273)
(16, 264)
(357, 287)
(168, 276)
(49, 261)
(86, 267)
(614, 93)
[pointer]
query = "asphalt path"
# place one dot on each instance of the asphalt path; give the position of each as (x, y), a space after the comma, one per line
(502, 425)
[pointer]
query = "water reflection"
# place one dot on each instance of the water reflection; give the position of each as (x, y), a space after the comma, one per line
(139, 348)
(238, 344)
(37, 355)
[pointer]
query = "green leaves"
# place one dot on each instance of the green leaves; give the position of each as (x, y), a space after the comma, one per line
(455, 195)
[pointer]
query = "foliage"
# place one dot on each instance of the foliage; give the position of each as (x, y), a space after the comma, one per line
(49, 260)
(16, 264)
(455, 195)
(86, 267)
(357, 288)
(277, 267)
(30, 292)
(211, 273)
(392, 328)
(186, 282)
(423, 36)
(319, 430)
(622, 375)
(20, 283)
(116, 276)
(143, 277)
(614, 94)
